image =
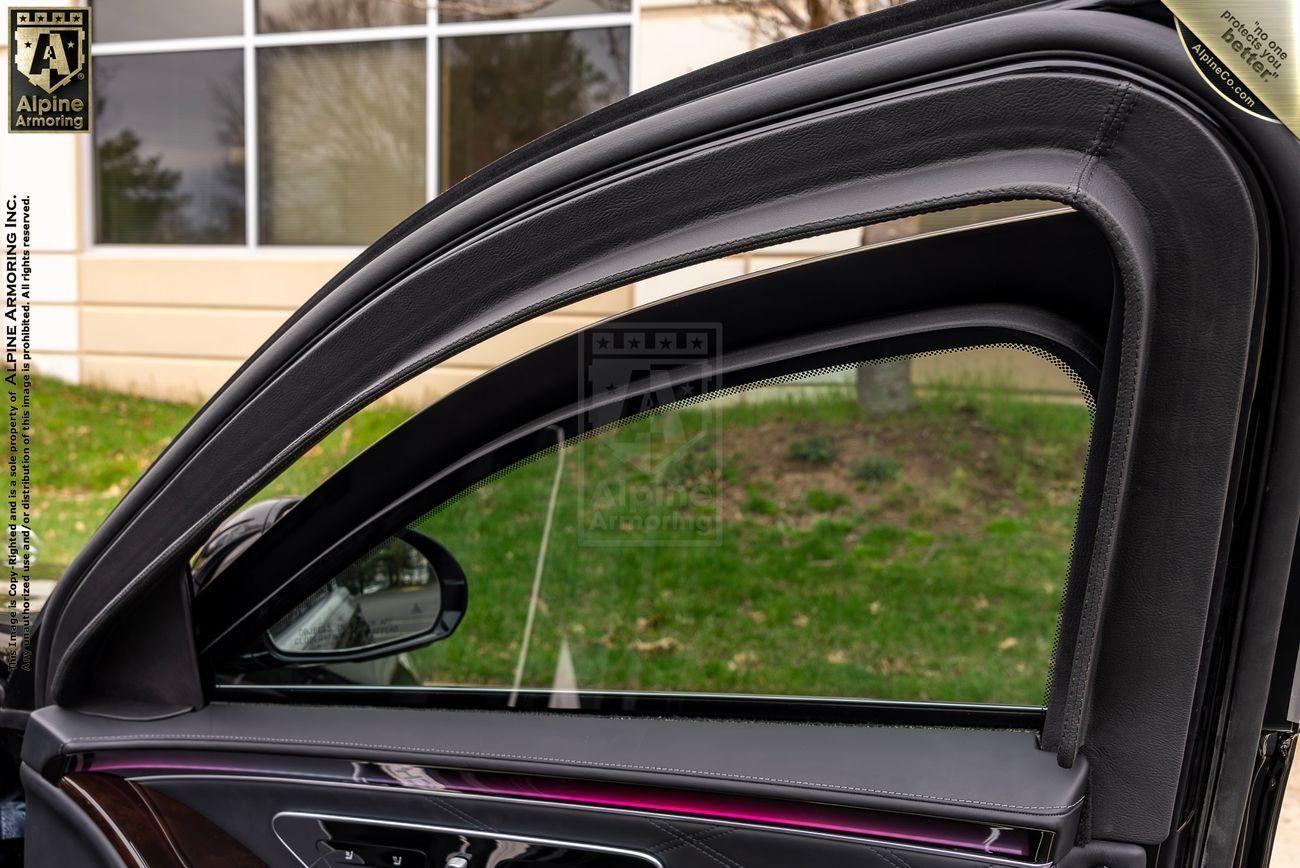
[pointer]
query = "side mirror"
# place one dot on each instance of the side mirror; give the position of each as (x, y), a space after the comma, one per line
(407, 591)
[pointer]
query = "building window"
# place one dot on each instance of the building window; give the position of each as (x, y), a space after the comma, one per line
(496, 10)
(341, 140)
(315, 122)
(169, 148)
(283, 16)
(503, 90)
(130, 20)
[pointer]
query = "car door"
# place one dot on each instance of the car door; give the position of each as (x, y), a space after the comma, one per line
(158, 734)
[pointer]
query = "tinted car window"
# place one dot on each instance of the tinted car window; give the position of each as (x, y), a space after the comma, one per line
(793, 538)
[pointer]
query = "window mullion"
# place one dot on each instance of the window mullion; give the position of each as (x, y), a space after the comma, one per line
(431, 105)
(251, 205)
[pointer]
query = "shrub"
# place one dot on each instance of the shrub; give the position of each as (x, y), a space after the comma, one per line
(757, 503)
(825, 501)
(817, 449)
(877, 469)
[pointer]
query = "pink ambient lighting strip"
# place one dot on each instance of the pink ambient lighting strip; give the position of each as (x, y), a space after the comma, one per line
(959, 835)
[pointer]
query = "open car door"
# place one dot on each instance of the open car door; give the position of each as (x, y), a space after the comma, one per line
(1164, 285)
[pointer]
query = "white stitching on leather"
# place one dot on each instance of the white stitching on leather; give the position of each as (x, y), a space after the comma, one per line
(568, 762)
(696, 842)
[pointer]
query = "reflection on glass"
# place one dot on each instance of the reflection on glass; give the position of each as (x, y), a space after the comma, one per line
(389, 594)
(125, 20)
(487, 10)
(169, 148)
(279, 16)
(501, 91)
(341, 140)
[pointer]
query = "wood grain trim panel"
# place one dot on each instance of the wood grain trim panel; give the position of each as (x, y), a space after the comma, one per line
(151, 830)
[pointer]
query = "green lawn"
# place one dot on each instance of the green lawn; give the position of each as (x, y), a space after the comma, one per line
(91, 445)
(920, 555)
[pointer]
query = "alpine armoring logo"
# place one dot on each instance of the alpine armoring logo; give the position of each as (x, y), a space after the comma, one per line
(49, 81)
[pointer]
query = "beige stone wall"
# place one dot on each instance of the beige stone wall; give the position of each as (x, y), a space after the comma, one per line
(178, 328)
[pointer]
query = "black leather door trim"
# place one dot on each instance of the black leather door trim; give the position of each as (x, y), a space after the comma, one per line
(666, 837)
(651, 703)
(901, 848)
(987, 776)
(282, 830)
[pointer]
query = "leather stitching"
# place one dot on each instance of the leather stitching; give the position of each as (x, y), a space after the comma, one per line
(572, 763)
(1112, 120)
(676, 840)
(1104, 144)
(1086, 632)
(464, 816)
(697, 843)
(894, 859)
(1088, 152)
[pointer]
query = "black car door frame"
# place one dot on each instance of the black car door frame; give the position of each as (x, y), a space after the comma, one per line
(1095, 109)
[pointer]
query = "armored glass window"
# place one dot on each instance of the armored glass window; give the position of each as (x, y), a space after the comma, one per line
(794, 537)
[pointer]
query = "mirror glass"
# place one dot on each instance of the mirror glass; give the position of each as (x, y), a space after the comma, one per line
(391, 593)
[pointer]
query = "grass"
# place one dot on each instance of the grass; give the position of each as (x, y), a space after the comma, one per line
(817, 449)
(89, 447)
(939, 579)
(876, 469)
(917, 557)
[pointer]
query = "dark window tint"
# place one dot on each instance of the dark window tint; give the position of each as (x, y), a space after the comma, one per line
(341, 140)
(784, 540)
(487, 10)
(278, 16)
(499, 92)
(898, 532)
(126, 20)
(169, 148)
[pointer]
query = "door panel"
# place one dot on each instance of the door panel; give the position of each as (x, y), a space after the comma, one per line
(665, 839)
(61, 832)
(946, 793)
(148, 828)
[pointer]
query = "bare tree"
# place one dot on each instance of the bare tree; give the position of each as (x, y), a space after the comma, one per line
(773, 20)
(881, 388)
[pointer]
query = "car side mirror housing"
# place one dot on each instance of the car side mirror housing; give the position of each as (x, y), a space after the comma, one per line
(406, 592)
